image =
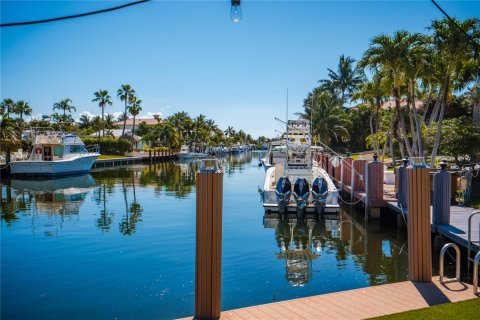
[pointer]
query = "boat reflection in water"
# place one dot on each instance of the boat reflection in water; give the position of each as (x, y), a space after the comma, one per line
(379, 253)
(56, 196)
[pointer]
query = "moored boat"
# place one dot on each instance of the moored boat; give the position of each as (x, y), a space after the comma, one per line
(299, 184)
(55, 153)
(185, 154)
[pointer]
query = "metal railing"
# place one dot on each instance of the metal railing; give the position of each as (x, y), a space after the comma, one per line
(442, 278)
(476, 261)
(93, 148)
(469, 232)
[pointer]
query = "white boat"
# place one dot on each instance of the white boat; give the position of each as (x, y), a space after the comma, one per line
(299, 184)
(62, 195)
(277, 153)
(55, 153)
(185, 154)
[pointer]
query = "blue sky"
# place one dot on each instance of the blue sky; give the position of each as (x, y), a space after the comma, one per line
(189, 56)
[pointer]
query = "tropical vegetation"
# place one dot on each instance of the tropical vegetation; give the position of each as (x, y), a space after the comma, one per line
(409, 94)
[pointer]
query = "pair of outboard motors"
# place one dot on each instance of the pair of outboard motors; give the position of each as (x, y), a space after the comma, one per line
(301, 191)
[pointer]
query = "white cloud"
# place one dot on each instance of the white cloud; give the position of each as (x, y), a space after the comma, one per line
(88, 114)
(35, 117)
(116, 114)
(149, 115)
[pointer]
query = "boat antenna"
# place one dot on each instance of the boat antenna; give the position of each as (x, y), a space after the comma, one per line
(286, 122)
(311, 118)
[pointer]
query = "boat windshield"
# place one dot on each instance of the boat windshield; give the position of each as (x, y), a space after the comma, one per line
(77, 149)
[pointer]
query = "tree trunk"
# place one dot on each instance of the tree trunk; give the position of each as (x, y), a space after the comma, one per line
(414, 132)
(377, 122)
(417, 123)
(436, 107)
(133, 132)
(427, 104)
(392, 153)
(476, 113)
(374, 145)
(439, 123)
(401, 122)
(125, 116)
(387, 138)
(103, 122)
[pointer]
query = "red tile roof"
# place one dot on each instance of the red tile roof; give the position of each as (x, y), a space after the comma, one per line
(150, 122)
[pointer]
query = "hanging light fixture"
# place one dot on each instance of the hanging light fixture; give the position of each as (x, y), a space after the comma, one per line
(236, 11)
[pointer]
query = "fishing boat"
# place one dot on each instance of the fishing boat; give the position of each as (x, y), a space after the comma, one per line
(55, 153)
(299, 184)
(185, 154)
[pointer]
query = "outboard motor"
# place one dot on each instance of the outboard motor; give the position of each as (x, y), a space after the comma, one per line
(319, 192)
(301, 191)
(283, 192)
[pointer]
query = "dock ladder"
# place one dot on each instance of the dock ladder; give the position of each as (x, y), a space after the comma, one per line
(442, 278)
(476, 259)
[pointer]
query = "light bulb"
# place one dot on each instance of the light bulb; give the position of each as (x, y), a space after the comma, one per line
(236, 11)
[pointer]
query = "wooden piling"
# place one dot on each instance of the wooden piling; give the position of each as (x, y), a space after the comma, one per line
(208, 241)
(374, 187)
(419, 228)
(347, 171)
(442, 191)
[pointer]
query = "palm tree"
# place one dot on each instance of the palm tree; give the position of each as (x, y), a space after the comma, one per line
(8, 129)
(329, 120)
(453, 53)
(84, 122)
(125, 93)
(22, 108)
(97, 125)
(390, 54)
(168, 135)
(134, 110)
(7, 106)
(109, 121)
(345, 80)
(372, 94)
(64, 105)
(103, 99)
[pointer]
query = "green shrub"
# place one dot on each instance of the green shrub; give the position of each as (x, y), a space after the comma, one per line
(109, 145)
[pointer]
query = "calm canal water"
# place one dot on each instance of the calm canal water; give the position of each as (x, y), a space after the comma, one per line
(120, 244)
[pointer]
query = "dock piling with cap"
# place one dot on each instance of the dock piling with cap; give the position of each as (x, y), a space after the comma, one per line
(208, 241)
(419, 224)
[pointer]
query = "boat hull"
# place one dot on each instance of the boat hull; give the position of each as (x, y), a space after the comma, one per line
(52, 168)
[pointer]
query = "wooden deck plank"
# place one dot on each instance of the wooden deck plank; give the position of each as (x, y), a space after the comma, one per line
(359, 303)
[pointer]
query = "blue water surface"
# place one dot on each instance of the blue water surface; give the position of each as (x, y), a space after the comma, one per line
(120, 244)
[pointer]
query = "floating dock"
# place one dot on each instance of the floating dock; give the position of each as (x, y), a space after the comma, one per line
(457, 230)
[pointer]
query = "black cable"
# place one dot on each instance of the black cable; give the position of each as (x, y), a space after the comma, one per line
(474, 43)
(13, 24)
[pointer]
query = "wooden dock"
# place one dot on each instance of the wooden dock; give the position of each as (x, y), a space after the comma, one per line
(349, 177)
(359, 303)
(137, 158)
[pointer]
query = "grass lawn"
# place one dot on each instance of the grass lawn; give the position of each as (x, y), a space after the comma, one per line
(468, 309)
(110, 156)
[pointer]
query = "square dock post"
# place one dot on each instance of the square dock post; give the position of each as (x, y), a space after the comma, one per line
(208, 259)
(419, 227)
